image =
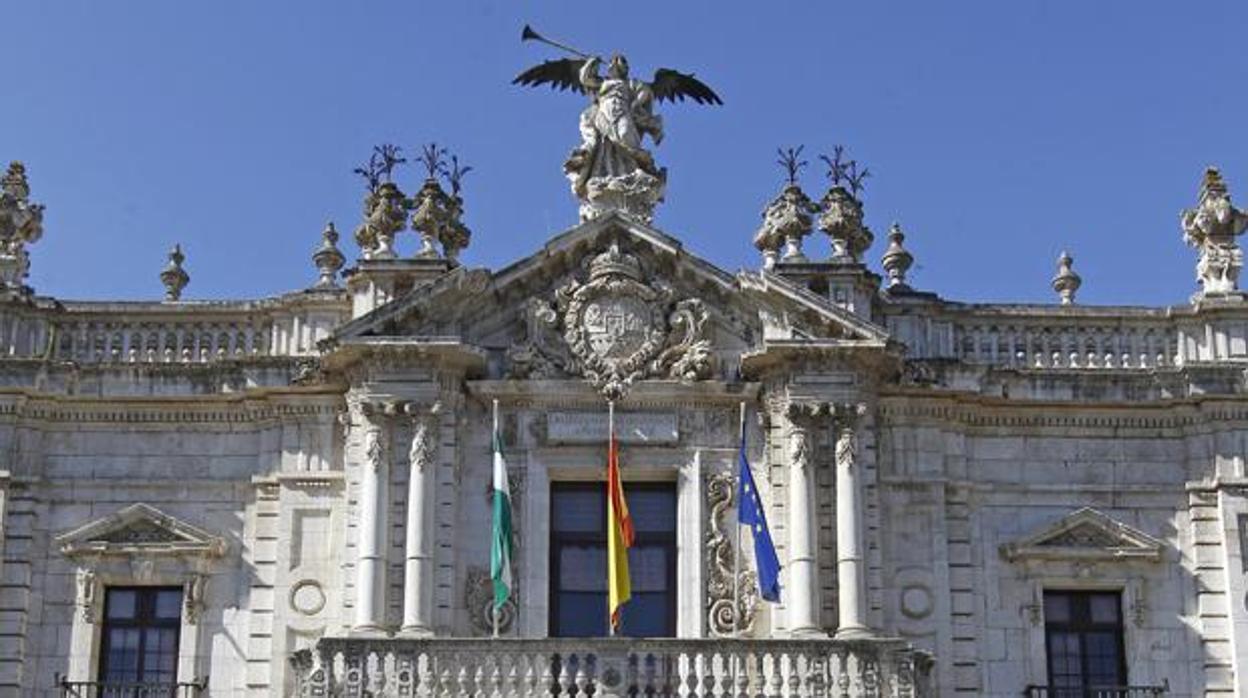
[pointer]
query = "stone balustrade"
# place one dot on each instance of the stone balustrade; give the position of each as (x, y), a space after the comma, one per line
(1075, 337)
(85, 332)
(360, 666)
(1086, 345)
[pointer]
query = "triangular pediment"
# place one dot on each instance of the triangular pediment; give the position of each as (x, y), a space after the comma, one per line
(139, 529)
(1086, 534)
(449, 307)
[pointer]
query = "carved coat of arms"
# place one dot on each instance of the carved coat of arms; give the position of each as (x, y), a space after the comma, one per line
(616, 329)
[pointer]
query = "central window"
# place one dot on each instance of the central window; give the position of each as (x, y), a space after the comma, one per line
(140, 635)
(578, 560)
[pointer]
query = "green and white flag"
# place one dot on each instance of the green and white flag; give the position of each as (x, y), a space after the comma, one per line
(500, 545)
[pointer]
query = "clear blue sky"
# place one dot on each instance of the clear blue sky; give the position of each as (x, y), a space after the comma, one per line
(999, 132)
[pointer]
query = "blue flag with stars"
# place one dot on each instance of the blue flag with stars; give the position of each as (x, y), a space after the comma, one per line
(750, 513)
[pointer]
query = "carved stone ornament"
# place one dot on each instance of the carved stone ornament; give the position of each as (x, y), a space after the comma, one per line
(786, 221)
(1212, 228)
(374, 448)
(725, 618)
(424, 437)
(616, 329)
(88, 584)
(842, 221)
(193, 591)
(479, 599)
(21, 223)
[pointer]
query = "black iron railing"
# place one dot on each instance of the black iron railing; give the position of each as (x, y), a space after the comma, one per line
(1098, 692)
(132, 689)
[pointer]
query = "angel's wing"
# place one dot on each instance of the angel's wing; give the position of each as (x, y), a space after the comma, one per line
(675, 86)
(562, 75)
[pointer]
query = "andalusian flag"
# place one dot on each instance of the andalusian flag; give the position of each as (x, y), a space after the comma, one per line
(500, 538)
(619, 535)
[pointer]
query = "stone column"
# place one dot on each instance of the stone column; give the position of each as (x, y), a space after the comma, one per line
(418, 560)
(851, 569)
(371, 565)
(803, 570)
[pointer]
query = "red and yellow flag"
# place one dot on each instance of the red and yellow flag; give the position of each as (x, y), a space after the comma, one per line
(619, 537)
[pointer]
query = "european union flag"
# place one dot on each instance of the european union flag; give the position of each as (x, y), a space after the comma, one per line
(750, 513)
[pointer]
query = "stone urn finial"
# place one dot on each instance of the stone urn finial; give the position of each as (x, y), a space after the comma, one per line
(842, 217)
(328, 258)
(1067, 282)
(174, 277)
(1212, 228)
(897, 259)
(789, 216)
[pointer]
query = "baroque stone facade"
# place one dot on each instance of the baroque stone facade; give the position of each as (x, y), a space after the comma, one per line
(311, 470)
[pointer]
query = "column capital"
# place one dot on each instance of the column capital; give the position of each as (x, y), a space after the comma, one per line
(846, 415)
(801, 413)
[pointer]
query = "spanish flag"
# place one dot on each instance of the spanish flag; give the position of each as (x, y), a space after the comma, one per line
(619, 536)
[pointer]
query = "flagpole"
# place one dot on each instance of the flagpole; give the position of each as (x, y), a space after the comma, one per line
(610, 443)
(494, 602)
(736, 553)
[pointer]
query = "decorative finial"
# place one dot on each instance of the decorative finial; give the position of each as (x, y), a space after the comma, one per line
(788, 218)
(174, 277)
(328, 258)
(1212, 228)
(1067, 282)
(385, 206)
(897, 260)
(21, 223)
(842, 208)
(455, 235)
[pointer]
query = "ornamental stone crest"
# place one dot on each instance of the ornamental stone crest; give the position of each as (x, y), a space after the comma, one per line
(615, 329)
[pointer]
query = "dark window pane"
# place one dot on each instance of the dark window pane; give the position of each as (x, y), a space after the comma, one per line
(122, 604)
(582, 615)
(122, 659)
(648, 568)
(1104, 608)
(583, 568)
(652, 510)
(646, 615)
(578, 510)
(169, 604)
(1056, 608)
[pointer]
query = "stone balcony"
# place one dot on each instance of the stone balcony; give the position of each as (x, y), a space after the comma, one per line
(381, 667)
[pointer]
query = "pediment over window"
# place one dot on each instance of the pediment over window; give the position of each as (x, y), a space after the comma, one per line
(140, 529)
(1086, 534)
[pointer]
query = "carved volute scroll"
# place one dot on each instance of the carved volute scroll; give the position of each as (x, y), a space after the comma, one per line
(613, 329)
(723, 617)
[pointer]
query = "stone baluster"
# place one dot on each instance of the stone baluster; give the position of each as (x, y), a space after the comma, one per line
(418, 562)
(563, 680)
(374, 496)
(802, 567)
(850, 549)
(582, 679)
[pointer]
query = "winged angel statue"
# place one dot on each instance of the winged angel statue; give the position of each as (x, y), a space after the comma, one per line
(611, 170)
